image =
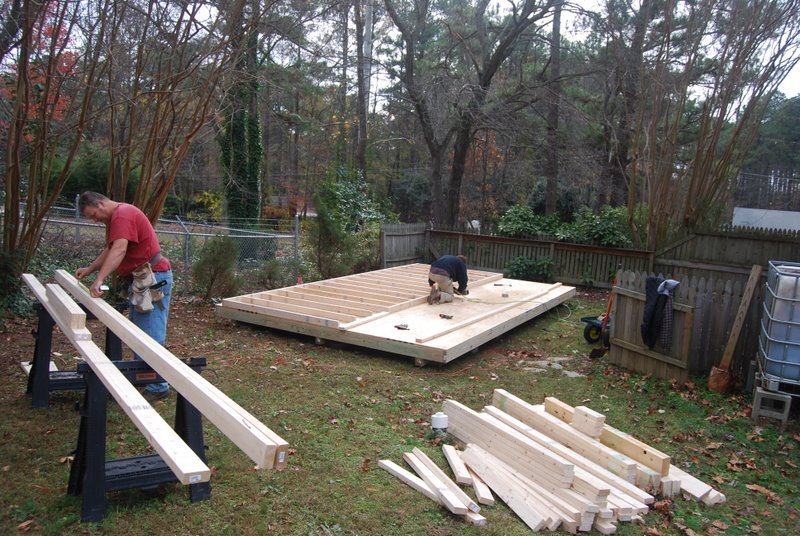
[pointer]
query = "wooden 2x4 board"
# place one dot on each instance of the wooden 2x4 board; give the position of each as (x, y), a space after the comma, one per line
(387, 310)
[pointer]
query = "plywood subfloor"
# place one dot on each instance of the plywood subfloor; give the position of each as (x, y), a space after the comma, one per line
(387, 310)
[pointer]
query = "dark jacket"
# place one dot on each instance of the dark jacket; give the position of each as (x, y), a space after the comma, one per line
(455, 268)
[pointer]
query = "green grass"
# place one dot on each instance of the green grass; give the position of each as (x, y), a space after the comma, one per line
(342, 409)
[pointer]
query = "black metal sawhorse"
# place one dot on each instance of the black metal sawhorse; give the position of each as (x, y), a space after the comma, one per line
(92, 476)
(41, 380)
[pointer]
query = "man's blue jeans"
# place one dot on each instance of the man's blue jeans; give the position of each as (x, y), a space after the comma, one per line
(154, 322)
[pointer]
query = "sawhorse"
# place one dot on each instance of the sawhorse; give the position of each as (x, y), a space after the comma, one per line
(92, 476)
(41, 380)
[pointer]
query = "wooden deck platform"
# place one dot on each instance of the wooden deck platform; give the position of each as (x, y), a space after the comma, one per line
(387, 310)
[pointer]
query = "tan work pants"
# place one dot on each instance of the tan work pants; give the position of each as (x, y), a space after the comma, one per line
(445, 285)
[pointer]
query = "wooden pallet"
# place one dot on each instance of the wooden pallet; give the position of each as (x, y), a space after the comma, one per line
(366, 310)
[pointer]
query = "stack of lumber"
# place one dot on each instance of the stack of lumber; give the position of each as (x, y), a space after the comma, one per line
(554, 465)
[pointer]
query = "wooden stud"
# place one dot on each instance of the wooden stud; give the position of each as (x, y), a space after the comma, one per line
(445, 494)
(262, 445)
(458, 492)
(459, 469)
(482, 492)
(187, 467)
(594, 450)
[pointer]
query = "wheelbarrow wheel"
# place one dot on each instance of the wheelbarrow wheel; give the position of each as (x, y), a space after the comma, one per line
(592, 333)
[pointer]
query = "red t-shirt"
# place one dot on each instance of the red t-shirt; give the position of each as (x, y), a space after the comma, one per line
(130, 223)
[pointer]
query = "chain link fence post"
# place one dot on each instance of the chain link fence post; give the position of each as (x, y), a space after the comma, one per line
(186, 239)
(77, 219)
(297, 248)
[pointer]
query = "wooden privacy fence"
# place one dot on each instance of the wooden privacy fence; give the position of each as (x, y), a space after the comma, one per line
(727, 253)
(402, 243)
(722, 254)
(704, 312)
(574, 264)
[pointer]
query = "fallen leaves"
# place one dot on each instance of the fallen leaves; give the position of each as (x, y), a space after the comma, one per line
(736, 464)
(770, 496)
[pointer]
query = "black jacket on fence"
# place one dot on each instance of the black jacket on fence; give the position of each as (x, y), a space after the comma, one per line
(653, 311)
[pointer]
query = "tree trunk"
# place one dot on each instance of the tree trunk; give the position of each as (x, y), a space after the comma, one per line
(554, 94)
(362, 69)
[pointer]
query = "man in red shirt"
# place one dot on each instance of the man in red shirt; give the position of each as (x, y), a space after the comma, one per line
(131, 241)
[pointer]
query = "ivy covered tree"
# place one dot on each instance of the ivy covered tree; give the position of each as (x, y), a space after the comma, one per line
(241, 151)
(342, 238)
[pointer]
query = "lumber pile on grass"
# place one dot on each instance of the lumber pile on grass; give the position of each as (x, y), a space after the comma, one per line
(554, 465)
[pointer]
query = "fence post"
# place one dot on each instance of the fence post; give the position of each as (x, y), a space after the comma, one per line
(186, 239)
(77, 220)
(382, 246)
(296, 246)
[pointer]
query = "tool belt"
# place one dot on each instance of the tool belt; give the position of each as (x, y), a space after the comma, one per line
(145, 290)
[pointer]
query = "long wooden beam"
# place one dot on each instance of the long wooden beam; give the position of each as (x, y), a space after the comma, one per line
(182, 460)
(266, 448)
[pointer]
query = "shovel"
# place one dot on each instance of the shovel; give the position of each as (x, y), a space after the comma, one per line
(719, 380)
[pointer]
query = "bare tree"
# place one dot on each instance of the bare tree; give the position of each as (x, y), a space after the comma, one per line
(452, 99)
(156, 95)
(49, 116)
(731, 58)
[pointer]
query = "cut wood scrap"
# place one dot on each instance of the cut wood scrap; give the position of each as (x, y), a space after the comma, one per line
(607, 476)
(714, 497)
(266, 448)
(185, 464)
(431, 465)
(588, 421)
(460, 470)
(616, 439)
(604, 526)
(648, 479)
(418, 484)
(537, 417)
(28, 365)
(467, 426)
(670, 486)
(482, 492)
(69, 317)
(507, 489)
(695, 488)
(445, 494)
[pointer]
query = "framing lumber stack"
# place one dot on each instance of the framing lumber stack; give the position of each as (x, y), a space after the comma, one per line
(266, 448)
(552, 464)
(387, 310)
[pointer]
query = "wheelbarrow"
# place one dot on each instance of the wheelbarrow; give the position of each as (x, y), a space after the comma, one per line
(598, 327)
(595, 330)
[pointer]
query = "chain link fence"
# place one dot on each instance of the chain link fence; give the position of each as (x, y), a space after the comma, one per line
(76, 241)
